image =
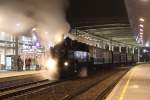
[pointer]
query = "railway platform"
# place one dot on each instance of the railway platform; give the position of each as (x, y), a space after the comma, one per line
(135, 85)
(13, 75)
(6, 74)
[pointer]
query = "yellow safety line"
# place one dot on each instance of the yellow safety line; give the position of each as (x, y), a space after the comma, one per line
(125, 87)
(112, 95)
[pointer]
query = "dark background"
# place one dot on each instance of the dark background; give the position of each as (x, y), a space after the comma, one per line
(79, 10)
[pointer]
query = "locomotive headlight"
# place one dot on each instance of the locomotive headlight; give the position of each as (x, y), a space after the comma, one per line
(66, 63)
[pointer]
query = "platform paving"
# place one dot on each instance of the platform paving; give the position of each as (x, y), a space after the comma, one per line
(135, 85)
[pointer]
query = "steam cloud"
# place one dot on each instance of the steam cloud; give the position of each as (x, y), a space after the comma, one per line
(47, 16)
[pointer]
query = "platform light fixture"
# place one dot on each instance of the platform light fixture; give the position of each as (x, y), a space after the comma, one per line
(141, 36)
(144, 1)
(141, 30)
(141, 19)
(66, 63)
(137, 38)
(145, 50)
(141, 33)
(141, 25)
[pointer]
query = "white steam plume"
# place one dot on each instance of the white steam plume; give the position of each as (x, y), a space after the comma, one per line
(48, 16)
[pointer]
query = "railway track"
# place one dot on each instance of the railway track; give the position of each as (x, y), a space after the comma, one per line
(37, 88)
(20, 89)
(101, 95)
(105, 93)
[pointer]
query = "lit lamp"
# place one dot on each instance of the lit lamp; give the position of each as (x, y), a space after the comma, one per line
(141, 19)
(141, 30)
(141, 25)
(141, 33)
(18, 25)
(34, 29)
(37, 44)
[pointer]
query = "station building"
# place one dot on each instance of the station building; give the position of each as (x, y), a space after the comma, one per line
(24, 46)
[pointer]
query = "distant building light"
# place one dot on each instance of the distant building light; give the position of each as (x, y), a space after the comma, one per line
(34, 29)
(3, 32)
(51, 45)
(145, 51)
(18, 24)
(137, 38)
(34, 38)
(147, 44)
(37, 44)
(46, 33)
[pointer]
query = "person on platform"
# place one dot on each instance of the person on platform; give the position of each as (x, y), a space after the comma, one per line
(19, 63)
(28, 63)
(37, 64)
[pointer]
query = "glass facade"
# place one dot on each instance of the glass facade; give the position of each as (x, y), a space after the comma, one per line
(29, 49)
(7, 50)
(25, 47)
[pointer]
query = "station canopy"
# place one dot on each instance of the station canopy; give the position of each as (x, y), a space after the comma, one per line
(102, 18)
(115, 29)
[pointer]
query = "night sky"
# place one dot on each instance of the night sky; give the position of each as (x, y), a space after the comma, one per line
(90, 9)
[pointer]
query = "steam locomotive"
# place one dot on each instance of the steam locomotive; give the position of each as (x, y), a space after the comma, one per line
(73, 56)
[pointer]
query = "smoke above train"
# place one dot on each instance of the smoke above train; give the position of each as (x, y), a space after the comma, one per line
(44, 17)
(47, 16)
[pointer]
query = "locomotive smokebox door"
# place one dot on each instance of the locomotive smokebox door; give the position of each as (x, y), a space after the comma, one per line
(68, 42)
